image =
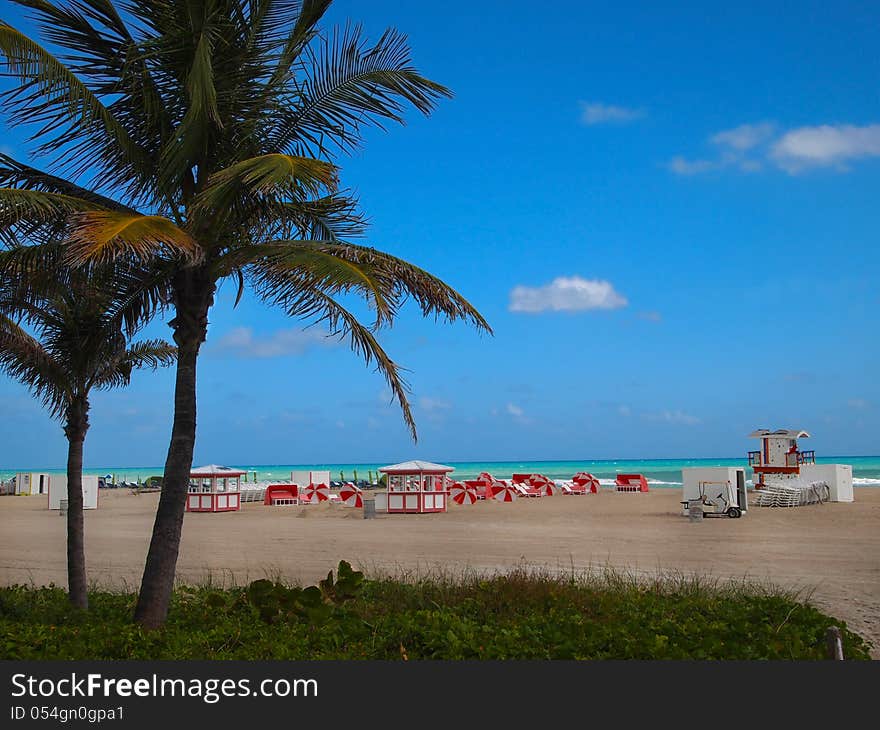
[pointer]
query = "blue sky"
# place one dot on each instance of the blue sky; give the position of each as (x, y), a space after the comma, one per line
(668, 216)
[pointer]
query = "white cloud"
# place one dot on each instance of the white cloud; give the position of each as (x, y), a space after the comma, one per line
(515, 411)
(651, 316)
(826, 145)
(680, 166)
(675, 417)
(859, 404)
(749, 147)
(242, 342)
(566, 294)
(433, 404)
(599, 113)
(624, 410)
(745, 136)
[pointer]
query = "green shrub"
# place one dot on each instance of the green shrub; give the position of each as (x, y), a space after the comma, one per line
(514, 616)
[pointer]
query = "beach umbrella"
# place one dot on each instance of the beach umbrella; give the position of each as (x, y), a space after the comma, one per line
(585, 479)
(351, 495)
(549, 488)
(462, 494)
(503, 492)
(486, 478)
(316, 493)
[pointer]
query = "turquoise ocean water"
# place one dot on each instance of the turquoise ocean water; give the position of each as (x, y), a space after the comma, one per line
(659, 472)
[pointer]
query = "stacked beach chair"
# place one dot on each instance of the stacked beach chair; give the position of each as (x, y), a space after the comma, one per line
(792, 494)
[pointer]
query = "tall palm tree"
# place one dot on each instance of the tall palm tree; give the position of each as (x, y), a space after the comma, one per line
(77, 346)
(199, 138)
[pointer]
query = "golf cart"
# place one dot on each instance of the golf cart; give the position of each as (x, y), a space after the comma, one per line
(717, 499)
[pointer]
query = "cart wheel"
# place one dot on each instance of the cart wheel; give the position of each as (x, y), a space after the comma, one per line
(734, 512)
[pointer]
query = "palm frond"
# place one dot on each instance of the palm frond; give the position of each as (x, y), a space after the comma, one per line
(74, 118)
(349, 84)
(24, 359)
(397, 280)
(25, 212)
(307, 265)
(320, 307)
(103, 236)
(276, 173)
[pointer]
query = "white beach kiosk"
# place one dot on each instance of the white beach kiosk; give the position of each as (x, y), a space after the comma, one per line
(58, 491)
(31, 483)
(214, 488)
(414, 487)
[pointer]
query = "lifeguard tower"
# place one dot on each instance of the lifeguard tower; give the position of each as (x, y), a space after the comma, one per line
(779, 454)
(414, 487)
(214, 488)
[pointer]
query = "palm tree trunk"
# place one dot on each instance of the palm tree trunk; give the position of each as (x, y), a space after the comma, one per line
(193, 295)
(75, 430)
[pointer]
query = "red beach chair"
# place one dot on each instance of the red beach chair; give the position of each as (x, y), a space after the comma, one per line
(631, 483)
(281, 494)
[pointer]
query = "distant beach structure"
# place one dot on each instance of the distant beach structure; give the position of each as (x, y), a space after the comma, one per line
(780, 461)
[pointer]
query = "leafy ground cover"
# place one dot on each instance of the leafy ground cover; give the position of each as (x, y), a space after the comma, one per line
(519, 615)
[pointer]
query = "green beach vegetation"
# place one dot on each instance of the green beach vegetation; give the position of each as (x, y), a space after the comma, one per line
(519, 615)
(198, 143)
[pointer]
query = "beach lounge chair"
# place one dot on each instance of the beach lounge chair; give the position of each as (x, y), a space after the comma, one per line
(631, 483)
(537, 485)
(281, 494)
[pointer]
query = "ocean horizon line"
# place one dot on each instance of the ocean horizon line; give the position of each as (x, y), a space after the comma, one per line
(263, 466)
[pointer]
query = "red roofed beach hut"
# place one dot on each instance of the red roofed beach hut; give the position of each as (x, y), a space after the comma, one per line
(214, 488)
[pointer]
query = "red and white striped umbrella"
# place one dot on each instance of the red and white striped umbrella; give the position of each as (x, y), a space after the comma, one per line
(316, 493)
(486, 478)
(462, 494)
(549, 488)
(351, 495)
(503, 492)
(585, 479)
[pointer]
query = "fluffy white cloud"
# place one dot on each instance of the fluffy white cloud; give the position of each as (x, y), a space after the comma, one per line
(242, 342)
(515, 411)
(566, 294)
(745, 136)
(749, 147)
(599, 113)
(858, 403)
(826, 145)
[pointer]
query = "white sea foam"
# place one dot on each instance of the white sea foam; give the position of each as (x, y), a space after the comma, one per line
(865, 482)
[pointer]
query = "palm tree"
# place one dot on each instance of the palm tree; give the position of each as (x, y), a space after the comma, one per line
(198, 138)
(77, 346)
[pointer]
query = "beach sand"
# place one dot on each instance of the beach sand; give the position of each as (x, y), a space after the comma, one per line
(831, 551)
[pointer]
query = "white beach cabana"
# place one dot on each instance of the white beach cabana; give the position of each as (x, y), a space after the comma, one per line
(414, 487)
(214, 488)
(58, 491)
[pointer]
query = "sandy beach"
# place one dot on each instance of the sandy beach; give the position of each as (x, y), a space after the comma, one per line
(829, 550)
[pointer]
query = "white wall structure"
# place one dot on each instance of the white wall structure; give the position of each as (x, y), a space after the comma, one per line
(33, 482)
(305, 478)
(838, 477)
(58, 491)
(735, 475)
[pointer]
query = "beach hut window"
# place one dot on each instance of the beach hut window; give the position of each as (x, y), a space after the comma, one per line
(429, 482)
(396, 482)
(221, 485)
